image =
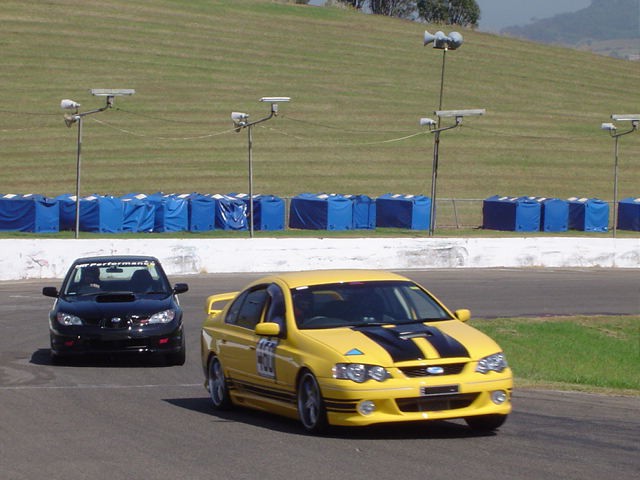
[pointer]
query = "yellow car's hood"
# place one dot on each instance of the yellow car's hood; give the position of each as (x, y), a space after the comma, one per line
(387, 345)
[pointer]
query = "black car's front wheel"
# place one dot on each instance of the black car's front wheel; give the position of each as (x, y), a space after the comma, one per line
(311, 408)
(217, 384)
(179, 357)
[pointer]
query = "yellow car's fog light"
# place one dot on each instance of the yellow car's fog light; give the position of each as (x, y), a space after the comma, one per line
(366, 407)
(499, 397)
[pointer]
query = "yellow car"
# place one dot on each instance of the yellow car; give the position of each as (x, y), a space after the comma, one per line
(351, 348)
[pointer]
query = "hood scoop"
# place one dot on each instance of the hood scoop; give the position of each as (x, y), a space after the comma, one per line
(115, 297)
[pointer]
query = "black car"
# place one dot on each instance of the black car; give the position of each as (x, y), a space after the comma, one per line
(117, 304)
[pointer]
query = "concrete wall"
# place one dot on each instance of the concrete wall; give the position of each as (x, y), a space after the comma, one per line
(41, 258)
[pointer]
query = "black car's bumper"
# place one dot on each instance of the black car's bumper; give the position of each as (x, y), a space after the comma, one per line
(82, 340)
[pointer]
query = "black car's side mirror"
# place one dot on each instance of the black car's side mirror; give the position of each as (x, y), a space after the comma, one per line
(50, 292)
(180, 288)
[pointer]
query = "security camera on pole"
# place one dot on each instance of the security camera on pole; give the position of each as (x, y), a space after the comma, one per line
(240, 121)
(76, 117)
(443, 42)
(613, 131)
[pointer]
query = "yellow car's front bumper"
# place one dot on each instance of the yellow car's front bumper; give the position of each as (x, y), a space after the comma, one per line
(415, 400)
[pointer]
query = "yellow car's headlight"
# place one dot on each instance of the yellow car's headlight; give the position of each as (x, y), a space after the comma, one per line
(492, 363)
(359, 372)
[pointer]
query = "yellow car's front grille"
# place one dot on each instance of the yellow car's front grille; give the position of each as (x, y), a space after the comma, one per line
(433, 370)
(436, 403)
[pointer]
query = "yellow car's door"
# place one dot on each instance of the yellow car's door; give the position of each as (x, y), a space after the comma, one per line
(239, 343)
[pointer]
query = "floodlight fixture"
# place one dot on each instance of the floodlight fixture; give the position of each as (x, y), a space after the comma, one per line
(608, 126)
(240, 121)
(274, 102)
(112, 92)
(460, 113)
(275, 99)
(626, 117)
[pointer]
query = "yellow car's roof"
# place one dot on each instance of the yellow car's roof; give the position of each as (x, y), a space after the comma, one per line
(318, 277)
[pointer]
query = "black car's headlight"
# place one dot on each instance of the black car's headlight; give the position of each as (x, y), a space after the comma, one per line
(492, 363)
(359, 372)
(67, 319)
(165, 316)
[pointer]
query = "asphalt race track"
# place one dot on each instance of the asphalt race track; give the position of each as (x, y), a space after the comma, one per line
(131, 418)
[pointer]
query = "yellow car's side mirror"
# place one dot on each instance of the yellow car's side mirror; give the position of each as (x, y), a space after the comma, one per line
(268, 329)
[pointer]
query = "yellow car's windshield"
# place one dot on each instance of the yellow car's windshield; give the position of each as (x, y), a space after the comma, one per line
(364, 303)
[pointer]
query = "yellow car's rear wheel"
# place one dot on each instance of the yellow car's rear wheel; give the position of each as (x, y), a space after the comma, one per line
(311, 408)
(217, 385)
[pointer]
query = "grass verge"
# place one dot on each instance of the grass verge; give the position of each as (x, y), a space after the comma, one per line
(596, 354)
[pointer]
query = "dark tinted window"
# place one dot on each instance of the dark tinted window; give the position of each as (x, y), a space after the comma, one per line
(252, 308)
(361, 303)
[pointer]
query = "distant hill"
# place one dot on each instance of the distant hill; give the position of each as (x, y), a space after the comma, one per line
(609, 27)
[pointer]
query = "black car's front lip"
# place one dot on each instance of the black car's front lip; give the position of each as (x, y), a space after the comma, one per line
(81, 340)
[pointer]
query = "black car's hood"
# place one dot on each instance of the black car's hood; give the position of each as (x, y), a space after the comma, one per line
(108, 305)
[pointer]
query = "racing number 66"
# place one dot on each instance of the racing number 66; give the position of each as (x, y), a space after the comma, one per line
(265, 357)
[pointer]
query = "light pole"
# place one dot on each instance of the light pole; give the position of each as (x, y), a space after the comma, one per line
(613, 132)
(240, 121)
(436, 129)
(442, 42)
(76, 117)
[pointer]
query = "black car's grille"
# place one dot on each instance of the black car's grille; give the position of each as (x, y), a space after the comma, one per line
(124, 321)
(433, 370)
(436, 403)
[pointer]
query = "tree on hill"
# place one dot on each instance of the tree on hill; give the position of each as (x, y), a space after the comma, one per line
(465, 13)
(450, 12)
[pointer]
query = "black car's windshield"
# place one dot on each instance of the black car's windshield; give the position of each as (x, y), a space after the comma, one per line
(364, 303)
(139, 276)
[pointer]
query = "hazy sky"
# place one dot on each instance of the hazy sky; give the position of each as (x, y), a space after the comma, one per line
(497, 14)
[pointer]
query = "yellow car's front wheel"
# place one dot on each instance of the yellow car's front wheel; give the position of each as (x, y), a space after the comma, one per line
(485, 423)
(311, 408)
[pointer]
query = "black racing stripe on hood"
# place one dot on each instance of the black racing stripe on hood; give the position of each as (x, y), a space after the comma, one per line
(398, 341)
(400, 349)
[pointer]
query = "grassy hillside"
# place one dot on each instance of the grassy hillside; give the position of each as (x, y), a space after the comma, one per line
(359, 84)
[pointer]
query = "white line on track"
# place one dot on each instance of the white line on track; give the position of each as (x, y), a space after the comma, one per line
(89, 387)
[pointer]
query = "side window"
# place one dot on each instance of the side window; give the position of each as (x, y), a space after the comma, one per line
(232, 314)
(275, 311)
(251, 309)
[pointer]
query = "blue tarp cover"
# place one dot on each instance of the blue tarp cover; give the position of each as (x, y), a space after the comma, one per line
(102, 214)
(629, 214)
(268, 210)
(364, 212)
(202, 212)
(588, 214)
(172, 213)
(554, 216)
(520, 214)
(138, 214)
(403, 211)
(321, 211)
(29, 213)
(231, 213)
